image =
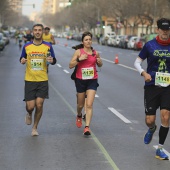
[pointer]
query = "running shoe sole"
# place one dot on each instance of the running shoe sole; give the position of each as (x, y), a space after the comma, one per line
(158, 157)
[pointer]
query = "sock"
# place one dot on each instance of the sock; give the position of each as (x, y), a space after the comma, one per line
(79, 115)
(153, 128)
(160, 146)
(163, 131)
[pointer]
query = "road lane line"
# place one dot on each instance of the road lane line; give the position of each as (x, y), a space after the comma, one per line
(119, 64)
(66, 71)
(96, 95)
(166, 152)
(119, 115)
(101, 147)
(58, 65)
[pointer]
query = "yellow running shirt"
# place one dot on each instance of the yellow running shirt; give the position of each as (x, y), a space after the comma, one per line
(36, 65)
(47, 38)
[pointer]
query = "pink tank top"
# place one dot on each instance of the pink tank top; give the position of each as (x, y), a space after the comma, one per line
(87, 68)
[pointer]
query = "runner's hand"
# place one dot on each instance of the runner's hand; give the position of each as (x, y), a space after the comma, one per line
(147, 77)
(99, 61)
(23, 60)
(49, 59)
(83, 57)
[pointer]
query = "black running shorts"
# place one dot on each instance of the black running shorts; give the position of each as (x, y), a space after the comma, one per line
(84, 85)
(156, 97)
(36, 89)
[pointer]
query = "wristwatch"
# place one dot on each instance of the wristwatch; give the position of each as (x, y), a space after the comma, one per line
(78, 60)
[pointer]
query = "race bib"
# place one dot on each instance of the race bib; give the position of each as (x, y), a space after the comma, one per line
(87, 73)
(162, 79)
(37, 64)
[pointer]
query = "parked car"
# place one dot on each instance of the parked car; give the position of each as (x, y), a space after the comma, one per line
(2, 42)
(6, 40)
(139, 43)
(131, 42)
(110, 40)
(125, 41)
(116, 40)
(121, 42)
(103, 40)
(74, 36)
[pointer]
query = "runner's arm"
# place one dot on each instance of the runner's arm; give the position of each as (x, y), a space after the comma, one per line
(53, 40)
(23, 57)
(74, 61)
(99, 60)
(53, 56)
(138, 66)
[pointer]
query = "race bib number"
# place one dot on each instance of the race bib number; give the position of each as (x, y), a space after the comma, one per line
(87, 73)
(37, 64)
(162, 79)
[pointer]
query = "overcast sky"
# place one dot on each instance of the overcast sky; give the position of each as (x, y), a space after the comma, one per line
(28, 8)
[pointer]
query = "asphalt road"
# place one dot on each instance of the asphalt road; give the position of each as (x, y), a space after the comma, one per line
(117, 126)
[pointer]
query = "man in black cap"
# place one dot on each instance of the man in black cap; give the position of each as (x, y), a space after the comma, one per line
(157, 84)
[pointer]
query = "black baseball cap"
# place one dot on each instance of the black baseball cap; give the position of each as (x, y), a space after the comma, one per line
(163, 24)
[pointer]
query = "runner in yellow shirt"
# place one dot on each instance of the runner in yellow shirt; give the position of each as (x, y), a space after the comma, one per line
(35, 55)
(48, 37)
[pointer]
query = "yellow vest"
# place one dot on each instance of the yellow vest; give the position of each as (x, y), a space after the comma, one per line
(47, 38)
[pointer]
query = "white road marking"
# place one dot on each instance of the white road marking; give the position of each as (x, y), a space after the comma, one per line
(119, 115)
(127, 67)
(119, 64)
(96, 95)
(58, 65)
(166, 152)
(66, 71)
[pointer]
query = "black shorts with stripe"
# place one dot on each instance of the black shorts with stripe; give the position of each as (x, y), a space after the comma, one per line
(36, 89)
(156, 97)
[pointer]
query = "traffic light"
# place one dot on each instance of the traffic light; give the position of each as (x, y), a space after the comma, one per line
(33, 5)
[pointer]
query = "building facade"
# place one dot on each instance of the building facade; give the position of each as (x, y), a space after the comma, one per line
(54, 6)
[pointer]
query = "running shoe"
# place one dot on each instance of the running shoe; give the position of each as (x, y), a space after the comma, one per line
(160, 154)
(79, 121)
(28, 119)
(34, 132)
(149, 135)
(87, 131)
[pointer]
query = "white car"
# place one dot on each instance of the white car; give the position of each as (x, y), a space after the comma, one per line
(116, 40)
(110, 40)
(131, 42)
